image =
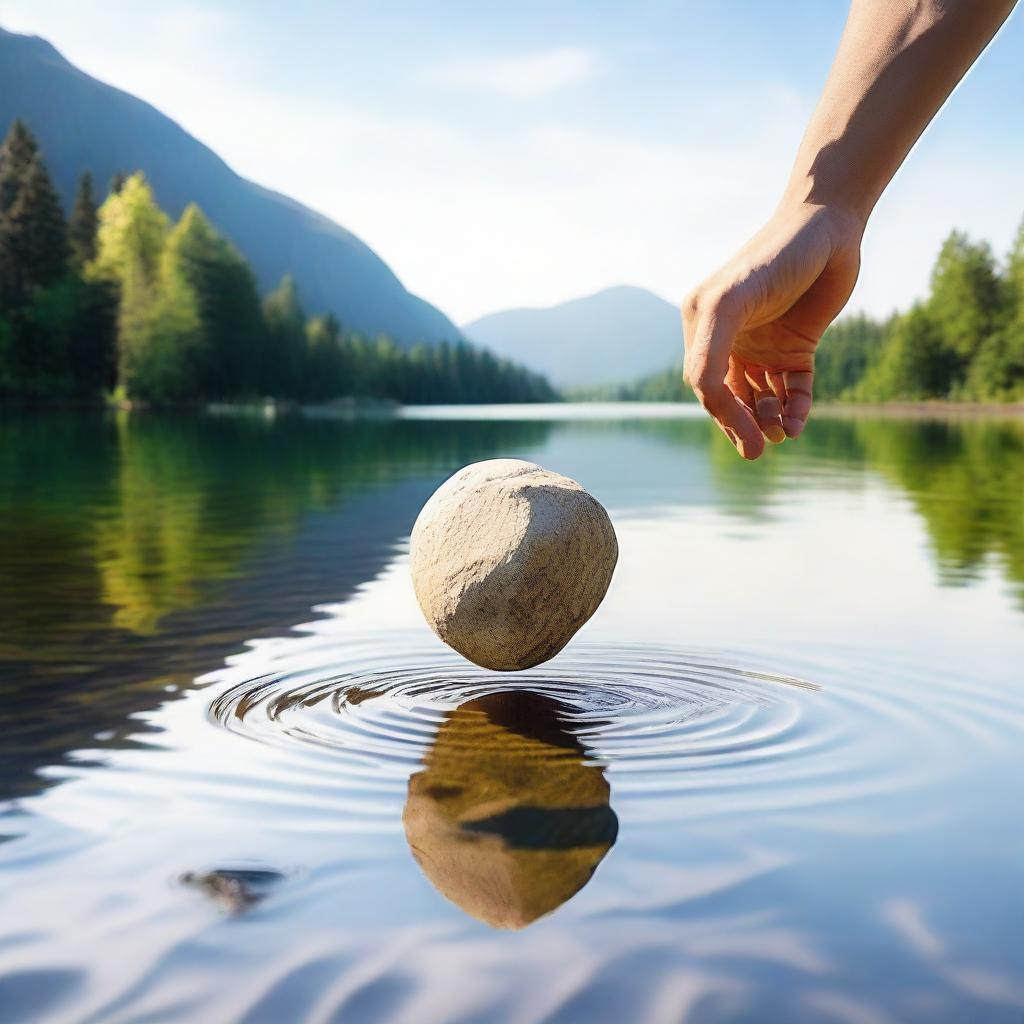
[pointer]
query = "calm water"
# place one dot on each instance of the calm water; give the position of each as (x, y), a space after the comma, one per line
(778, 777)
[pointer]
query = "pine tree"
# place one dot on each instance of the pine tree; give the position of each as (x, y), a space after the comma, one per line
(33, 238)
(83, 223)
(282, 372)
(17, 152)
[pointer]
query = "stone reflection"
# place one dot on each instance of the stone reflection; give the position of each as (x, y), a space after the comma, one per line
(506, 819)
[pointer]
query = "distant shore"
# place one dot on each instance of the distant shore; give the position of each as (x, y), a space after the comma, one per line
(926, 409)
(358, 407)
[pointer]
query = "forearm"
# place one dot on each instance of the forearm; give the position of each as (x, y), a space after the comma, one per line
(898, 61)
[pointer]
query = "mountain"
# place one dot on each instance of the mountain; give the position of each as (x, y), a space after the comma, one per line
(83, 124)
(619, 334)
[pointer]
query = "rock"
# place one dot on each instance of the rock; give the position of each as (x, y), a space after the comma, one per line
(509, 561)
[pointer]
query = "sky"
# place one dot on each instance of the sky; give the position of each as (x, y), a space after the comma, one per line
(502, 155)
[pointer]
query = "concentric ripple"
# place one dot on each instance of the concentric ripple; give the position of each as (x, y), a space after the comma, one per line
(660, 721)
(637, 711)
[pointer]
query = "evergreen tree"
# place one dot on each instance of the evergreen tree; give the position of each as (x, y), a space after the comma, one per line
(83, 223)
(18, 150)
(1014, 277)
(915, 363)
(286, 341)
(324, 376)
(33, 238)
(997, 371)
(966, 300)
(847, 350)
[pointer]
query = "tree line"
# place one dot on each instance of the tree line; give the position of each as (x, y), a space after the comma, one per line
(116, 300)
(963, 342)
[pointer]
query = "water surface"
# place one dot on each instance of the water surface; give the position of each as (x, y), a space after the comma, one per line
(777, 777)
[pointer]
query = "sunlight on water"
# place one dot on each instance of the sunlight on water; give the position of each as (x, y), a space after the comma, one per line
(774, 778)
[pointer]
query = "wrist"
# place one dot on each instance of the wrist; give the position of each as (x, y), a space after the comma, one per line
(848, 215)
(851, 204)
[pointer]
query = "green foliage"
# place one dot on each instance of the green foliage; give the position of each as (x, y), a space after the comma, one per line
(164, 368)
(966, 301)
(55, 328)
(131, 233)
(914, 362)
(119, 300)
(848, 349)
(18, 150)
(964, 342)
(33, 235)
(83, 223)
(666, 386)
(231, 342)
(286, 341)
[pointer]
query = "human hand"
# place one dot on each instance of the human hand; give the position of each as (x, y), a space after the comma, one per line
(752, 327)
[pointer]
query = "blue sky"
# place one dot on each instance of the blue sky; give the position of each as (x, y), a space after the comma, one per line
(502, 154)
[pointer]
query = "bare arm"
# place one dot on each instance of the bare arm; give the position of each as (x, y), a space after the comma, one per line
(752, 327)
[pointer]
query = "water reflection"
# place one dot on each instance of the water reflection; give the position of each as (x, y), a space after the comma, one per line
(139, 551)
(786, 852)
(507, 819)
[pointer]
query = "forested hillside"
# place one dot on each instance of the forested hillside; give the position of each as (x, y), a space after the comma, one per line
(83, 123)
(116, 299)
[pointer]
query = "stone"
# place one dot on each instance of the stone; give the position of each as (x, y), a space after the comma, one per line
(509, 560)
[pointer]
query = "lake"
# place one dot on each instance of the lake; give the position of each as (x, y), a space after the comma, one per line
(776, 778)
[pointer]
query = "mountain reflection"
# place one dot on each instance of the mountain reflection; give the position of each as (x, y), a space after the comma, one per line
(506, 818)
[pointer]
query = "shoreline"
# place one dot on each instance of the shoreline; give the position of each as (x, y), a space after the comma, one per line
(927, 409)
(351, 406)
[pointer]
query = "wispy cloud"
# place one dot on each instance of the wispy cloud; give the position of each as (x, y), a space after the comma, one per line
(522, 76)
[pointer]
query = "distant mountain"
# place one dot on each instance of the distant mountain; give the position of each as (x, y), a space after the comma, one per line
(83, 124)
(619, 334)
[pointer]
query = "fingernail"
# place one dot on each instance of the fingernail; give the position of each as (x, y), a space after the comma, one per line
(775, 434)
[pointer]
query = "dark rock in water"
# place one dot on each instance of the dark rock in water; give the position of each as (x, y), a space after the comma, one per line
(235, 890)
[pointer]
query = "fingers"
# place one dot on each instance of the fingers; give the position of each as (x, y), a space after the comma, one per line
(710, 329)
(797, 407)
(767, 406)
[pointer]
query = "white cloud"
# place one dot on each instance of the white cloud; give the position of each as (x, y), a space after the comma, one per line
(524, 76)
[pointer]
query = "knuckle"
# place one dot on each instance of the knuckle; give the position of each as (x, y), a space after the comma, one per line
(703, 385)
(692, 305)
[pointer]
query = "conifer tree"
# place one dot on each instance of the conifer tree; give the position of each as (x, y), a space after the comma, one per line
(286, 341)
(18, 150)
(83, 223)
(33, 237)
